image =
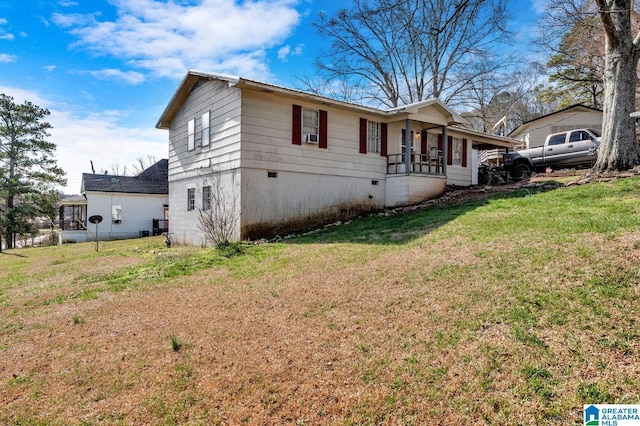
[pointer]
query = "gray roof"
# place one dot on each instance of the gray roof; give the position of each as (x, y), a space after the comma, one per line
(153, 180)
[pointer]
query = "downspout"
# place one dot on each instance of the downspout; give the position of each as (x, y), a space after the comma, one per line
(445, 146)
(408, 143)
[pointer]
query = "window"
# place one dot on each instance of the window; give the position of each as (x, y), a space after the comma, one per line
(206, 198)
(578, 136)
(191, 199)
(205, 129)
(310, 124)
(457, 151)
(557, 139)
(116, 214)
(373, 136)
(433, 148)
(72, 217)
(191, 135)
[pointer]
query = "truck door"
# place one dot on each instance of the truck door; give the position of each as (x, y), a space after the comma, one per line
(555, 152)
(578, 147)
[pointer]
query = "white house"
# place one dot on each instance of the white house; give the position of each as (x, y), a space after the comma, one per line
(281, 159)
(129, 206)
(533, 133)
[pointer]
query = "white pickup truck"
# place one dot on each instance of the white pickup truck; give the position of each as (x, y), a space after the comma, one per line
(573, 148)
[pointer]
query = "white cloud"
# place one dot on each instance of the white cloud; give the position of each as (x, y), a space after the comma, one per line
(98, 137)
(5, 57)
(3, 34)
(285, 52)
(168, 37)
(130, 77)
(540, 6)
(49, 68)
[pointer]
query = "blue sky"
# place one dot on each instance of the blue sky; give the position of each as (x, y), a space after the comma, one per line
(107, 68)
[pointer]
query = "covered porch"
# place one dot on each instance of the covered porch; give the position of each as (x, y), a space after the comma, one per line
(432, 150)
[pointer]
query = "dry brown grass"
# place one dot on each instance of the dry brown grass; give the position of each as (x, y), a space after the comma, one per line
(422, 333)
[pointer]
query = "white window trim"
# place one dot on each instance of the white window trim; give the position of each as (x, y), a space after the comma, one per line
(206, 136)
(457, 153)
(116, 213)
(373, 136)
(191, 199)
(206, 201)
(191, 134)
(312, 128)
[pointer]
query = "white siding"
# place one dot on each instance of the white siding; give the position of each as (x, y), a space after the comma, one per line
(251, 138)
(536, 133)
(224, 147)
(138, 212)
(297, 198)
(190, 169)
(184, 225)
(266, 140)
(405, 189)
(312, 184)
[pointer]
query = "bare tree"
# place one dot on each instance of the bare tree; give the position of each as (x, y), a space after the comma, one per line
(619, 149)
(219, 215)
(506, 97)
(143, 163)
(404, 51)
(567, 25)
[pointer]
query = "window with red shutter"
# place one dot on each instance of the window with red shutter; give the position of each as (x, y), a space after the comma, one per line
(323, 130)
(383, 139)
(296, 127)
(464, 153)
(363, 136)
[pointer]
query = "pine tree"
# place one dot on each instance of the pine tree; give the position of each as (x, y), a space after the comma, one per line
(28, 168)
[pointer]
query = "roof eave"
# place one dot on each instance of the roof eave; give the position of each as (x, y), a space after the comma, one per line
(180, 96)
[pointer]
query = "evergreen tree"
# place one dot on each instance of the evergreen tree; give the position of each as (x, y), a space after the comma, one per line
(28, 168)
(577, 68)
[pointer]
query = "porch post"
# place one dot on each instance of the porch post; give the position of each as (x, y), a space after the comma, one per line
(408, 143)
(445, 145)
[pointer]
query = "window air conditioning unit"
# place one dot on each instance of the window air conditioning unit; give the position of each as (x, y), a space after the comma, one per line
(311, 138)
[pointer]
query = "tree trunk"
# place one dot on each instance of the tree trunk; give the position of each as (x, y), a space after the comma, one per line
(619, 149)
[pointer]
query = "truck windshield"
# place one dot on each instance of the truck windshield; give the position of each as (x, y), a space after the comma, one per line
(596, 132)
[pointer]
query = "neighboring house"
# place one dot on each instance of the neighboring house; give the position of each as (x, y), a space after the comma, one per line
(130, 206)
(534, 132)
(277, 159)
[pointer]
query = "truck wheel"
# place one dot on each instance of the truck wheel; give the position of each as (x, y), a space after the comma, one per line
(521, 171)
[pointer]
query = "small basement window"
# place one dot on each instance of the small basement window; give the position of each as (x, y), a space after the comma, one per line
(272, 174)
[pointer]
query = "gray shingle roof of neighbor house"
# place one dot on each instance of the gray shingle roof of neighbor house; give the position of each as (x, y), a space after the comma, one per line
(153, 180)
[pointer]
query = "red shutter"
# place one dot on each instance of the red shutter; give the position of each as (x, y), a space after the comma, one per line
(296, 127)
(423, 143)
(383, 139)
(464, 153)
(363, 136)
(439, 142)
(449, 150)
(323, 129)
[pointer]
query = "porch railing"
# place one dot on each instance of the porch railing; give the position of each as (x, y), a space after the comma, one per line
(431, 163)
(160, 226)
